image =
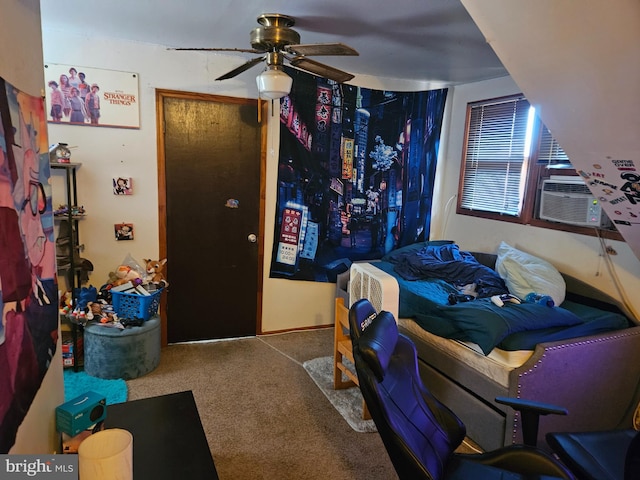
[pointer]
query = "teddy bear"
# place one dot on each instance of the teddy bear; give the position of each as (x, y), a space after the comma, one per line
(154, 269)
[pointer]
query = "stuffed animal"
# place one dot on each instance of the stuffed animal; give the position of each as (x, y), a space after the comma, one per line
(124, 274)
(154, 272)
(66, 303)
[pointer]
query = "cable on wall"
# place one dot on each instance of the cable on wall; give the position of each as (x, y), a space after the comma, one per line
(614, 276)
(446, 216)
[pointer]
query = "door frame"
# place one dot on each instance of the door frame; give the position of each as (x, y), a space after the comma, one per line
(262, 108)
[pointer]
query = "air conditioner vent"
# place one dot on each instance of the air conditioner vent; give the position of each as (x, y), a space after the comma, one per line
(565, 187)
(571, 202)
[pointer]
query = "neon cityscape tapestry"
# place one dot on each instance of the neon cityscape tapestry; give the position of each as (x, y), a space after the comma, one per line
(355, 175)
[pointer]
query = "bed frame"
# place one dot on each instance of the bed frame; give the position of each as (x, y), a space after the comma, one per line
(596, 377)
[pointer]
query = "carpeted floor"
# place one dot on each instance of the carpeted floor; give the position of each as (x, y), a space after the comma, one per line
(77, 383)
(263, 415)
(348, 402)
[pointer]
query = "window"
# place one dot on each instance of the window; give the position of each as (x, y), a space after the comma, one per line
(496, 156)
(508, 154)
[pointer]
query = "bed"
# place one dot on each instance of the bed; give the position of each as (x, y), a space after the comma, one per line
(582, 353)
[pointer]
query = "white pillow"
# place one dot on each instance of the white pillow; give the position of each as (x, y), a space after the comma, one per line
(524, 273)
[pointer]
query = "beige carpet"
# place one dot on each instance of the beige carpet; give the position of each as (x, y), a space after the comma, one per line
(347, 401)
(263, 415)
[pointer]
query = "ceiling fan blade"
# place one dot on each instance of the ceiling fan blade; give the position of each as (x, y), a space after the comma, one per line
(242, 68)
(321, 49)
(321, 69)
(243, 50)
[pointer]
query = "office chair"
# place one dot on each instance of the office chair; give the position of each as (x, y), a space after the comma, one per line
(601, 455)
(421, 434)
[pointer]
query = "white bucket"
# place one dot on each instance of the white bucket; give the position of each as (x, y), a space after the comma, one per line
(106, 455)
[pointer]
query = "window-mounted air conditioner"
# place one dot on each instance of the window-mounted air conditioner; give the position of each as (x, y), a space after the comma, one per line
(570, 201)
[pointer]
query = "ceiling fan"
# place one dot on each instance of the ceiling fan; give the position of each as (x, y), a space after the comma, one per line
(276, 42)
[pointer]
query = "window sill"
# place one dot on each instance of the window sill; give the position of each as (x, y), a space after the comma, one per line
(590, 231)
(535, 222)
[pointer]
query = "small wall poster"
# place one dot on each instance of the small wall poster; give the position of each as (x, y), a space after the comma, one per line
(92, 97)
(122, 186)
(124, 231)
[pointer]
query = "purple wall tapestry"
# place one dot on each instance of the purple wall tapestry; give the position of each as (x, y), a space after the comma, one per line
(28, 287)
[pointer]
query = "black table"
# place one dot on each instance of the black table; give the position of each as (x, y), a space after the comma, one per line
(168, 439)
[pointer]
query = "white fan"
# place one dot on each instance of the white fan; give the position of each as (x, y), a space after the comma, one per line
(377, 286)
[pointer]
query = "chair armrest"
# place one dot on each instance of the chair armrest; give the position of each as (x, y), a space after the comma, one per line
(521, 405)
(530, 412)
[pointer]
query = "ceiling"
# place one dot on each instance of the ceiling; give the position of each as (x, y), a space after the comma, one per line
(424, 40)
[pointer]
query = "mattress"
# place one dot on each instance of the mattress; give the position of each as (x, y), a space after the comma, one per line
(496, 365)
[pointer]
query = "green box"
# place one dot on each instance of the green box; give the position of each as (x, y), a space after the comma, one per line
(81, 413)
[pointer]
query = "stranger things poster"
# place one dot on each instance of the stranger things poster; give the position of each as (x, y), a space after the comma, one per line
(91, 97)
(355, 175)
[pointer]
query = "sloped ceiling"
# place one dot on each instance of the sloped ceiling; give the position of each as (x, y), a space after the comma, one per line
(578, 63)
(429, 41)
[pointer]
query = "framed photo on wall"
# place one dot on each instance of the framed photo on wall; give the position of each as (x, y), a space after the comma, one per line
(91, 97)
(123, 231)
(122, 186)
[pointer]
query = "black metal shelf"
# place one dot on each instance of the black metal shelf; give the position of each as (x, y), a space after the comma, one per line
(73, 246)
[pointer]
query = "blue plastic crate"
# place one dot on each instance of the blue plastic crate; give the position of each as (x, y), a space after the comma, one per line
(130, 305)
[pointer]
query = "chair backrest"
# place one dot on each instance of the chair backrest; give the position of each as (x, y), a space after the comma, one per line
(419, 432)
(632, 459)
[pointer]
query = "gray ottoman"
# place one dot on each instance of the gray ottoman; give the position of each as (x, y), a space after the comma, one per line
(115, 353)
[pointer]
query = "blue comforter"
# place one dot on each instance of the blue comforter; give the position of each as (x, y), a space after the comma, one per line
(428, 275)
(448, 263)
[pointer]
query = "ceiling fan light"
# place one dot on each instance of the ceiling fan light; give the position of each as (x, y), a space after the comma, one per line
(273, 83)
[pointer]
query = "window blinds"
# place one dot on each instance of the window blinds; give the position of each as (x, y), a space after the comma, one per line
(494, 163)
(550, 152)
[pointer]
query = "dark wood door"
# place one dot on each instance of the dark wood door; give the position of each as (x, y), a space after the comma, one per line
(212, 149)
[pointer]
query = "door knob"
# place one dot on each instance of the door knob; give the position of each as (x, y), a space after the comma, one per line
(252, 238)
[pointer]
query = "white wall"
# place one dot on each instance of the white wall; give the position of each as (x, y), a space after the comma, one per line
(581, 72)
(578, 255)
(20, 59)
(113, 152)
(107, 152)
